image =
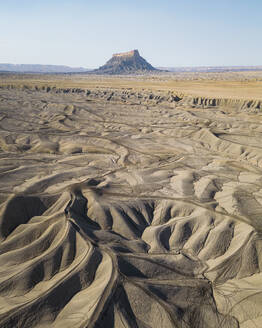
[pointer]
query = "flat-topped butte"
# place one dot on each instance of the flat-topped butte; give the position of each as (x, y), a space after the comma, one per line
(127, 54)
(129, 62)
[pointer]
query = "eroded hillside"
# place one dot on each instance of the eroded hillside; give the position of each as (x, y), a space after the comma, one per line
(126, 208)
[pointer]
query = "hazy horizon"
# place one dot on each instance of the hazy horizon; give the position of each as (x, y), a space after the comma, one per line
(167, 34)
(160, 67)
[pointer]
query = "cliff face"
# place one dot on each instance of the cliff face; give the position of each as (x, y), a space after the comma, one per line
(127, 54)
(125, 63)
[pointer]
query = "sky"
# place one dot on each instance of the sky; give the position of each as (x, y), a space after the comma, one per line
(169, 33)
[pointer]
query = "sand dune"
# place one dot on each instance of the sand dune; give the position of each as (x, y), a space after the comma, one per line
(129, 209)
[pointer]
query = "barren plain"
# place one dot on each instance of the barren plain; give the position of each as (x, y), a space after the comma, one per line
(131, 201)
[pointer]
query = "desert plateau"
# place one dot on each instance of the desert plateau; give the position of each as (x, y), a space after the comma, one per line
(131, 201)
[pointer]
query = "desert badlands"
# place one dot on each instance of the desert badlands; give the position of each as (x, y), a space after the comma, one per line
(131, 201)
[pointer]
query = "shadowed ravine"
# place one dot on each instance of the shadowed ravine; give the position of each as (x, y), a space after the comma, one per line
(129, 213)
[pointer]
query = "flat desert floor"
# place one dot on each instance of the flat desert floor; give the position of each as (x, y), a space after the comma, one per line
(130, 201)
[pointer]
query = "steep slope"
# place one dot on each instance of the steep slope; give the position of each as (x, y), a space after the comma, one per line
(124, 63)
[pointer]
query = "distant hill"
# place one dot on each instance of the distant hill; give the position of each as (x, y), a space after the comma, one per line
(205, 69)
(121, 63)
(35, 68)
(125, 63)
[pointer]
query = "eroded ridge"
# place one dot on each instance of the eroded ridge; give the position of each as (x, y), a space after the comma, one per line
(118, 214)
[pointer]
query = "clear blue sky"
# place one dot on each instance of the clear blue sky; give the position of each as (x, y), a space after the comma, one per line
(166, 32)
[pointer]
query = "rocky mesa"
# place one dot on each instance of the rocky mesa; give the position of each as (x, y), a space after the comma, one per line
(125, 63)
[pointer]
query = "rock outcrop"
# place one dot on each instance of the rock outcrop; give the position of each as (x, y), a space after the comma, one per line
(125, 63)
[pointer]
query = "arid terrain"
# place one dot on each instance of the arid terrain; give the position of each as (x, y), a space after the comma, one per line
(131, 201)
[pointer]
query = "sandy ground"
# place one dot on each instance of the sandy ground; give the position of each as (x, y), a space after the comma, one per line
(234, 85)
(129, 209)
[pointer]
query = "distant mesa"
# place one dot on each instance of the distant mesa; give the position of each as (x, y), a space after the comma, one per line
(125, 63)
(42, 69)
(127, 54)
